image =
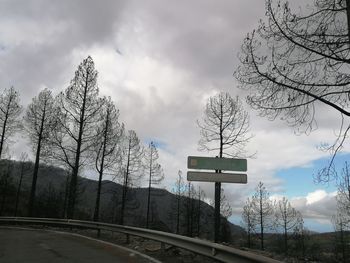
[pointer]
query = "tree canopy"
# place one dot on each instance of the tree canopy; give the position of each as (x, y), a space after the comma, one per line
(295, 63)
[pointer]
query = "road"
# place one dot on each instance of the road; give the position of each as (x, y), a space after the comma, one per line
(39, 246)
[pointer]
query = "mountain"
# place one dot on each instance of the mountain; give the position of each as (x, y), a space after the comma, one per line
(51, 199)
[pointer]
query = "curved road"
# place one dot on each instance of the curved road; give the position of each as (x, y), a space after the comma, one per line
(40, 246)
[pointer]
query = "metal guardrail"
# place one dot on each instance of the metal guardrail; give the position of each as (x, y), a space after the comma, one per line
(216, 251)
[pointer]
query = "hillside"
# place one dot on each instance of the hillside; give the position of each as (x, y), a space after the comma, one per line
(51, 199)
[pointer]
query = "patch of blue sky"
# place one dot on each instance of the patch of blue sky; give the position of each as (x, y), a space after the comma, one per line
(299, 181)
(236, 219)
(159, 144)
(310, 224)
(316, 226)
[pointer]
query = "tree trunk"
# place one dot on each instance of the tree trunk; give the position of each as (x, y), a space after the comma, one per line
(199, 214)
(125, 185)
(66, 193)
(34, 180)
(218, 184)
(75, 170)
(189, 210)
(343, 242)
(261, 223)
(217, 211)
(73, 185)
(121, 219)
(98, 197)
(3, 133)
(149, 190)
(191, 215)
(36, 168)
(178, 215)
(285, 239)
(249, 241)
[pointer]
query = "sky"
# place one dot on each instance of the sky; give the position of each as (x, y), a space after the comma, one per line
(160, 61)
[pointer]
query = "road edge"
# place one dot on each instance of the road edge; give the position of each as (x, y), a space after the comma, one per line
(153, 260)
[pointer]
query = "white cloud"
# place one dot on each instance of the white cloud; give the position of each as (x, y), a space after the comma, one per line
(316, 196)
(319, 204)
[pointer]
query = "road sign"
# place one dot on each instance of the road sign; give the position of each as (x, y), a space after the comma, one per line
(211, 163)
(217, 177)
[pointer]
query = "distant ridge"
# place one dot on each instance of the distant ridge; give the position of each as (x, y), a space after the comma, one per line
(51, 197)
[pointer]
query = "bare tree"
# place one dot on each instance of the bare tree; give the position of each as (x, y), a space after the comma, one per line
(156, 174)
(10, 110)
(225, 207)
(262, 210)
(341, 220)
(249, 220)
(190, 208)
(179, 192)
(343, 196)
(225, 129)
(201, 197)
(40, 121)
(78, 114)
(301, 234)
(225, 126)
(296, 63)
(178, 210)
(225, 212)
(107, 148)
(341, 226)
(131, 167)
(286, 218)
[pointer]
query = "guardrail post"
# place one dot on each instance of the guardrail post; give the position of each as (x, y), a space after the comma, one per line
(98, 233)
(162, 247)
(127, 239)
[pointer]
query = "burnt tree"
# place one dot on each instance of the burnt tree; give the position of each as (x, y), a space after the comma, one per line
(107, 146)
(224, 130)
(39, 122)
(131, 168)
(297, 63)
(10, 110)
(155, 173)
(78, 114)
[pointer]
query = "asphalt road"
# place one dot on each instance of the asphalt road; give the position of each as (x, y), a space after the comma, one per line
(40, 246)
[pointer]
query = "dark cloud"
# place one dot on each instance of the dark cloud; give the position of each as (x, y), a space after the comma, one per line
(201, 36)
(40, 37)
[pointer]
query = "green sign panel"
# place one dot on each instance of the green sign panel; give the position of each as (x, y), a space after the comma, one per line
(211, 163)
(217, 177)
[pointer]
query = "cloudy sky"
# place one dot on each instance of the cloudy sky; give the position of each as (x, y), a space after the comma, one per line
(160, 61)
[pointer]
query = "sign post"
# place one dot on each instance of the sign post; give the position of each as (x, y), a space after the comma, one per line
(217, 164)
(217, 210)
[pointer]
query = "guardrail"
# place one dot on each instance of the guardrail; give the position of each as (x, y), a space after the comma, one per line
(216, 251)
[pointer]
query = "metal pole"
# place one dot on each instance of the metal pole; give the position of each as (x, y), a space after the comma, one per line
(217, 211)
